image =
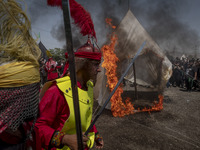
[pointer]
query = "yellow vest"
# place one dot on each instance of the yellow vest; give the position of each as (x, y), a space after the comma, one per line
(86, 107)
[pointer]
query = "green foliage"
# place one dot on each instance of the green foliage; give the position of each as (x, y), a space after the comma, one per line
(190, 57)
(58, 53)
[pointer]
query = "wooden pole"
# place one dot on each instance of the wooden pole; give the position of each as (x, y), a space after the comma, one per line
(135, 83)
(69, 43)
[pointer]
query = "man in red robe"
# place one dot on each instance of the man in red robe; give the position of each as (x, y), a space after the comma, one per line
(54, 108)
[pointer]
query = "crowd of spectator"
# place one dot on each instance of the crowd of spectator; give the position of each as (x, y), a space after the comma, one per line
(186, 74)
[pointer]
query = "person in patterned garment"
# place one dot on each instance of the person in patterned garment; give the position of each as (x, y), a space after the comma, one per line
(19, 78)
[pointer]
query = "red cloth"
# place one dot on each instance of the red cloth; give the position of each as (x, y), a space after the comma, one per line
(51, 69)
(14, 139)
(50, 63)
(54, 111)
(58, 67)
(52, 75)
(9, 138)
(90, 55)
(65, 68)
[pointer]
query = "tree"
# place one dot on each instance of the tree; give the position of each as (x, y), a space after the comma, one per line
(57, 53)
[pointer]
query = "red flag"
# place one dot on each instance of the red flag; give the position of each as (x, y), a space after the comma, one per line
(81, 17)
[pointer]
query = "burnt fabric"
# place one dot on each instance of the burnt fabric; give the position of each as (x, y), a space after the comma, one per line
(152, 68)
(18, 104)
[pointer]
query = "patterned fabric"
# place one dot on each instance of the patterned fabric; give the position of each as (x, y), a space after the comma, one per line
(56, 140)
(98, 137)
(50, 64)
(18, 104)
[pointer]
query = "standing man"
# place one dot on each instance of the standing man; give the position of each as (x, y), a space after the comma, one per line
(191, 75)
(195, 69)
(55, 127)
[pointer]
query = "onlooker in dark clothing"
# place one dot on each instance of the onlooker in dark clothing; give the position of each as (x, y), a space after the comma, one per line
(190, 75)
(186, 73)
(195, 68)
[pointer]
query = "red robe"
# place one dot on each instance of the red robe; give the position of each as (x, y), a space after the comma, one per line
(51, 69)
(53, 112)
(52, 74)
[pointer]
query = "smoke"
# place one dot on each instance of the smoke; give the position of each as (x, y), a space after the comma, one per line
(99, 11)
(159, 17)
(58, 32)
(166, 28)
(37, 9)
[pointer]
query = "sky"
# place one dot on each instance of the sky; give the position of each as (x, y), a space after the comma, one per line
(173, 24)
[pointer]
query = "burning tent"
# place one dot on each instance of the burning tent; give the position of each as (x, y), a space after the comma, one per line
(152, 68)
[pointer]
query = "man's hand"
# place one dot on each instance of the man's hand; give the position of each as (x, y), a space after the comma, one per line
(71, 141)
(99, 143)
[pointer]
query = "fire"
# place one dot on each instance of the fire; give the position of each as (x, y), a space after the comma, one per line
(156, 107)
(108, 21)
(118, 107)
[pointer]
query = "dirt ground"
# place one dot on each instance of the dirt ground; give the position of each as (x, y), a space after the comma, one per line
(176, 127)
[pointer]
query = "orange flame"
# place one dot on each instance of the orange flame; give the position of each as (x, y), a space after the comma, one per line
(108, 21)
(156, 107)
(118, 108)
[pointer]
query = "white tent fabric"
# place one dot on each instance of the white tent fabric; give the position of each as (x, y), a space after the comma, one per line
(153, 69)
(183, 57)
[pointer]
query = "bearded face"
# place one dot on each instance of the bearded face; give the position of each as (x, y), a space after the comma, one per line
(92, 68)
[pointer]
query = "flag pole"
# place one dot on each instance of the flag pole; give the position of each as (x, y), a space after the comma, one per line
(39, 36)
(69, 43)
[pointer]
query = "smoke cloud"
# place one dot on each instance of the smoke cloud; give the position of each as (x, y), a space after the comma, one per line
(58, 33)
(99, 12)
(159, 17)
(37, 9)
(167, 30)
